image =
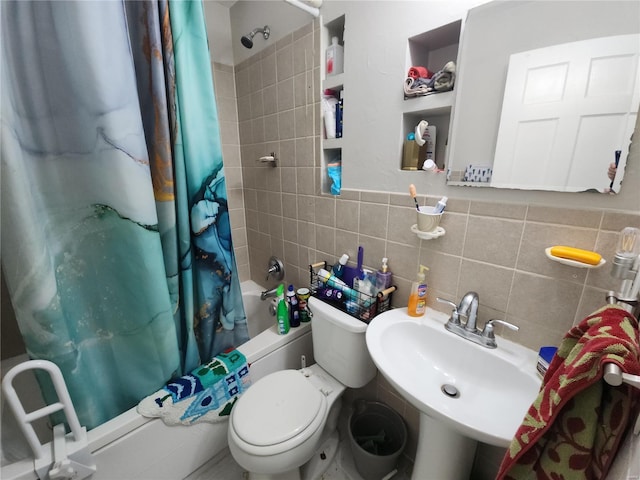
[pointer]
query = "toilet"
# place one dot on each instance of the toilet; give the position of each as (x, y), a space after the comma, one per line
(278, 424)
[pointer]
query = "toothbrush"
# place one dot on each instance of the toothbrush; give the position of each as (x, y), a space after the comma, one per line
(412, 192)
(618, 152)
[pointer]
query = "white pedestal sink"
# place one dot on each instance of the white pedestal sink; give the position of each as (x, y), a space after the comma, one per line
(465, 392)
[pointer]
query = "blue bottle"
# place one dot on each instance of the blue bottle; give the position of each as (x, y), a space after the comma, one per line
(338, 269)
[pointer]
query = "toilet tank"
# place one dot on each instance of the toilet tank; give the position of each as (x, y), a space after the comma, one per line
(339, 345)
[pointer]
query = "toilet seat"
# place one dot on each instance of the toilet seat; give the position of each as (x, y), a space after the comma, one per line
(281, 408)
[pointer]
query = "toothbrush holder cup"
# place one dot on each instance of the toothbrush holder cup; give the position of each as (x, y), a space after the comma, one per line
(428, 220)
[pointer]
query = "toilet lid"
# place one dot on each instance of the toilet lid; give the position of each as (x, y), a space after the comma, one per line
(276, 408)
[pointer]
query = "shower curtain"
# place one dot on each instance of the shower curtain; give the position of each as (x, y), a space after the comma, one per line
(116, 242)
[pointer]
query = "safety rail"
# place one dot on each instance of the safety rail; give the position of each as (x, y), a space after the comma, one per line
(70, 457)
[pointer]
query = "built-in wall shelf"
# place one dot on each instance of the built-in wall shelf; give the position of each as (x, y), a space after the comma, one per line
(335, 82)
(437, 103)
(433, 50)
(331, 143)
(331, 147)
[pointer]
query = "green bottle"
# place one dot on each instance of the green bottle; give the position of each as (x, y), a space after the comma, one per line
(282, 313)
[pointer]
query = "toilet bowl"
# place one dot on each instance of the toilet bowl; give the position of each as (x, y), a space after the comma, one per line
(280, 421)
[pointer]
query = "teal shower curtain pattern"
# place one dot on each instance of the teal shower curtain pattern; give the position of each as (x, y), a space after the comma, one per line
(116, 243)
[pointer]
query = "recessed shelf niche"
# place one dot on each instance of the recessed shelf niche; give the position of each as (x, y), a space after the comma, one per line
(332, 147)
(432, 49)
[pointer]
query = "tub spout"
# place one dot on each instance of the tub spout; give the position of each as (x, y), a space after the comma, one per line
(269, 294)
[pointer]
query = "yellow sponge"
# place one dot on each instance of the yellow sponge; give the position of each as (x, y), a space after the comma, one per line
(577, 254)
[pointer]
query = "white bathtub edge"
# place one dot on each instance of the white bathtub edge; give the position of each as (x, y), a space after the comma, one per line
(111, 441)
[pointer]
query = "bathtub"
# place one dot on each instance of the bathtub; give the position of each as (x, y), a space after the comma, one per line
(134, 447)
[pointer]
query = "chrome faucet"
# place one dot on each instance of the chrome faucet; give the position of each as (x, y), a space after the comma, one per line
(468, 309)
(269, 293)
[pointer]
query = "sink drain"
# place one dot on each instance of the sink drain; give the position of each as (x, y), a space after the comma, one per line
(450, 390)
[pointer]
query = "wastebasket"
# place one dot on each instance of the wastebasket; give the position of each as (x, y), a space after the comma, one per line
(378, 436)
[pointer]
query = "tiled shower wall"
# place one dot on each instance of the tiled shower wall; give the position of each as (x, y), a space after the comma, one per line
(495, 249)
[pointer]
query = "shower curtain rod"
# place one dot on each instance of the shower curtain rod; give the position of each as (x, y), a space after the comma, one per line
(307, 8)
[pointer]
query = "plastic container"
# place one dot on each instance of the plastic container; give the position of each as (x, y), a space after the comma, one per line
(383, 276)
(418, 296)
(303, 295)
(335, 58)
(329, 103)
(545, 355)
(378, 436)
(338, 269)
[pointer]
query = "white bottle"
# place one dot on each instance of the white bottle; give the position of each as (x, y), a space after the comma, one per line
(335, 58)
(328, 104)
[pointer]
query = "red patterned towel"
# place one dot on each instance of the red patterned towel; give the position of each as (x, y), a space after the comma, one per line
(574, 427)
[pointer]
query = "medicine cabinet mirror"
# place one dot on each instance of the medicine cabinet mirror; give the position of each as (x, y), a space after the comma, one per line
(547, 93)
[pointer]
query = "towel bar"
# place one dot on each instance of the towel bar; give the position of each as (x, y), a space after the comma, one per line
(614, 376)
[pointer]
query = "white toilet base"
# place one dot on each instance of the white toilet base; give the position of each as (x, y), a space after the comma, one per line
(313, 469)
(290, 475)
(321, 459)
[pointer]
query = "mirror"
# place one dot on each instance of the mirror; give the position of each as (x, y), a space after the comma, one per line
(519, 60)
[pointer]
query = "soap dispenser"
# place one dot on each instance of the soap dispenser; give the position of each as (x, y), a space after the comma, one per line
(418, 296)
(383, 276)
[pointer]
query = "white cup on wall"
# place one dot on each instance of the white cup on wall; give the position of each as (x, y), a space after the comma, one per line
(428, 220)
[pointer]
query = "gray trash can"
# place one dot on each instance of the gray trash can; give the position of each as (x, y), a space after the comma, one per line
(378, 436)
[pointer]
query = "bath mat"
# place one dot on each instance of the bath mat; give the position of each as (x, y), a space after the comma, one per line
(207, 394)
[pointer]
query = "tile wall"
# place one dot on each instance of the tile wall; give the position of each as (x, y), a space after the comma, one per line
(495, 249)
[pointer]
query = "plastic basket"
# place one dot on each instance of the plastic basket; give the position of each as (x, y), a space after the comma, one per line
(365, 307)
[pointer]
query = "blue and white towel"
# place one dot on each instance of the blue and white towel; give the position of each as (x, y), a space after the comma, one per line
(207, 394)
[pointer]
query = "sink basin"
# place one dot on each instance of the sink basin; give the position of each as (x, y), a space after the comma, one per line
(476, 392)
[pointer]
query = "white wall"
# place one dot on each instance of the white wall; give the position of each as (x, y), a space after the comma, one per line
(375, 55)
(218, 21)
(247, 15)
(376, 36)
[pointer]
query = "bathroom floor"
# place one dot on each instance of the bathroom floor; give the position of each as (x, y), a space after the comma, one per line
(342, 467)
(223, 467)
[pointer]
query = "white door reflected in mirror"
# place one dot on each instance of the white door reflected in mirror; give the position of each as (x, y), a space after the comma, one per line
(567, 109)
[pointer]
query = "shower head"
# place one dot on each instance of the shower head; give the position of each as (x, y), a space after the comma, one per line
(247, 40)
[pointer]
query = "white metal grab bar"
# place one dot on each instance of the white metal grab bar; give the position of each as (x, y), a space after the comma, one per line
(51, 465)
(24, 419)
(614, 376)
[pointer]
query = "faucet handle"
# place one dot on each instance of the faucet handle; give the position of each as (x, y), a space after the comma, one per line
(487, 331)
(455, 316)
(275, 268)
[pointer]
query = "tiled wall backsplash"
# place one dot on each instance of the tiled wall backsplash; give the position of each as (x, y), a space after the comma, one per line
(494, 249)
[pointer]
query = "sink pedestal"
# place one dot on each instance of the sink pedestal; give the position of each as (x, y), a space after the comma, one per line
(442, 452)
